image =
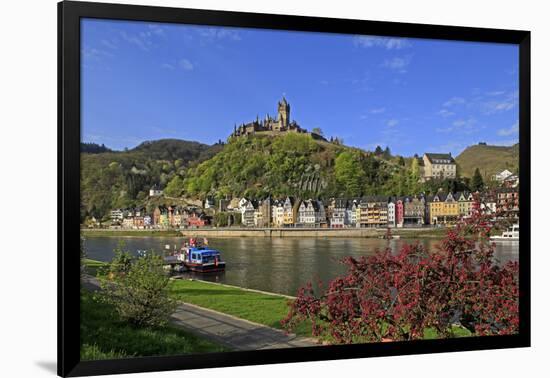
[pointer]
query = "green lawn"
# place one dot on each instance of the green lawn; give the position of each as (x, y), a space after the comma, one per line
(257, 307)
(104, 336)
(92, 266)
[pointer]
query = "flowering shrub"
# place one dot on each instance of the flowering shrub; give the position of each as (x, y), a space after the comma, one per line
(390, 297)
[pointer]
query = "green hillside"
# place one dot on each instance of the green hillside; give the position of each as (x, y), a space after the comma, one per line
(123, 178)
(291, 164)
(489, 159)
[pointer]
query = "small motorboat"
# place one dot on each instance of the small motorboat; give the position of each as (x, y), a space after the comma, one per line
(203, 259)
(511, 234)
(196, 256)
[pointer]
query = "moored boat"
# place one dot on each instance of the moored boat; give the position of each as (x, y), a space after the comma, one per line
(511, 234)
(203, 259)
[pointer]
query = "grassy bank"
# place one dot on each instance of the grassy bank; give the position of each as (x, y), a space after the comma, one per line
(257, 307)
(93, 266)
(118, 233)
(104, 336)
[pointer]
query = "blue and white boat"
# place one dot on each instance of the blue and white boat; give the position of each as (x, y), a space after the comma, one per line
(203, 259)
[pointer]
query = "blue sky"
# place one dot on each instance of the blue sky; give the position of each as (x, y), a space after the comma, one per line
(144, 81)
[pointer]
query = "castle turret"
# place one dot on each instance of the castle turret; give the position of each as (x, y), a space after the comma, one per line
(283, 114)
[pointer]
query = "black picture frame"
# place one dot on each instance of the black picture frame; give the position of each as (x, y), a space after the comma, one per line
(69, 15)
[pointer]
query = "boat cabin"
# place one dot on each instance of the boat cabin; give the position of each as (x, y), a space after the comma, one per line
(202, 255)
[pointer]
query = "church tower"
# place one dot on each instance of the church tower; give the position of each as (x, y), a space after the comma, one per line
(283, 114)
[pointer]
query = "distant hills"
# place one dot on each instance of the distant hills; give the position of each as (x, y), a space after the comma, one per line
(111, 179)
(489, 159)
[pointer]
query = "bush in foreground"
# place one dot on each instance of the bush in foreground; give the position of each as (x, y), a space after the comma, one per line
(389, 297)
(103, 335)
(140, 292)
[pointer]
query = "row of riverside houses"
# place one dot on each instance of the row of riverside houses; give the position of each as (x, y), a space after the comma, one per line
(375, 211)
(161, 217)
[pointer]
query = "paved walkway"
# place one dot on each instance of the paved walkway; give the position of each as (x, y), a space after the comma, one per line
(230, 331)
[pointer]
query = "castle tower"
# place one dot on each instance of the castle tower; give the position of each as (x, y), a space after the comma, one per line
(283, 112)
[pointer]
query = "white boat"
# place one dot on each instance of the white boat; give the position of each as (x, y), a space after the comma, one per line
(511, 234)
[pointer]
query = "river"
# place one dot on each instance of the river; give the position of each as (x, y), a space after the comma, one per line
(279, 265)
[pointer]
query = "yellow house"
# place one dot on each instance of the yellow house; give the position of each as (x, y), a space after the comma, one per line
(444, 209)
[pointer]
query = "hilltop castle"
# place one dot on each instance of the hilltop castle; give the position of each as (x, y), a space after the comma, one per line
(281, 124)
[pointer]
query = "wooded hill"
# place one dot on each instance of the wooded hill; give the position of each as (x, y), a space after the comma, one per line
(489, 159)
(291, 164)
(119, 179)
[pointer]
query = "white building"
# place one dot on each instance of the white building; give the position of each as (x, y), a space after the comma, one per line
(147, 221)
(155, 191)
(391, 213)
(117, 215)
(338, 216)
(351, 214)
(307, 213)
(500, 177)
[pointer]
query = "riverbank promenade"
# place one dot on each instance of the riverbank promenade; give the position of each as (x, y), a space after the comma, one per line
(227, 232)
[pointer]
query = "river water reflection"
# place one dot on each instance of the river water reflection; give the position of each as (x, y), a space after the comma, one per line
(279, 265)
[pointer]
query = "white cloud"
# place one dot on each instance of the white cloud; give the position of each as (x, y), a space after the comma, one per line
(95, 54)
(392, 122)
(377, 110)
(186, 65)
(445, 113)
(156, 29)
(211, 34)
(454, 101)
(167, 66)
(397, 64)
(110, 44)
(461, 127)
(146, 38)
(508, 102)
(141, 41)
(386, 42)
(513, 130)
(495, 93)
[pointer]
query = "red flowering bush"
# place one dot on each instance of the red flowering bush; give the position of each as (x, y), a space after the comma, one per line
(390, 297)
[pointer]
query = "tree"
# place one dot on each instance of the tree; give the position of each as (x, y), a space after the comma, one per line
(388, 297)
(349, 173)
(141, 295)
(401, 161)
(174, 187)
(378, 151)
(477, 181)
(317, 130)
(387, 153)
(414, 176)
(121, 262)
(221, 219)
